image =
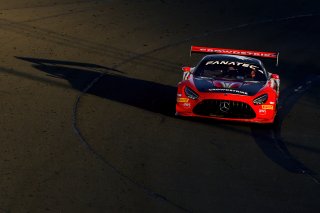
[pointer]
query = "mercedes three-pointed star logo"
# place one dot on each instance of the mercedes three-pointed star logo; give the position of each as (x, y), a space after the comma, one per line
(224, 106)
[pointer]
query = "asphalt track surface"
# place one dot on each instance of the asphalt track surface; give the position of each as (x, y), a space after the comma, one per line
(87, 108)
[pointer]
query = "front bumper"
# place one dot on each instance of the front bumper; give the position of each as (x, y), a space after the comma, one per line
(241, 109)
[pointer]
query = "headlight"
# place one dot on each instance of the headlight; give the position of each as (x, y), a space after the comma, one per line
(261, 99)
(190, 93)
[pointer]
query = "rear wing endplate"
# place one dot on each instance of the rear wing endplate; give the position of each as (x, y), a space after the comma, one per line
(214, 50)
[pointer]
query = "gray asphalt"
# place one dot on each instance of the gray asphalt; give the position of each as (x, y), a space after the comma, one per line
(88, 99)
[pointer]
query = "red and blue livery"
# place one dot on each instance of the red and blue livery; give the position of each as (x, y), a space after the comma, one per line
(229, 84)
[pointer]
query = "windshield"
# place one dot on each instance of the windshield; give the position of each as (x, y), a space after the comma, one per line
(230, 70)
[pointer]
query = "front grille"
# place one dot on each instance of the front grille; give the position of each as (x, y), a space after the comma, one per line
(224, 109)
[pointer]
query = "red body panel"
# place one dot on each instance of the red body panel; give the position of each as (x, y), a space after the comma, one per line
(265, 113)
(223, 100)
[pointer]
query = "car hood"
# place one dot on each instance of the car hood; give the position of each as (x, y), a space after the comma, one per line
(223, 86)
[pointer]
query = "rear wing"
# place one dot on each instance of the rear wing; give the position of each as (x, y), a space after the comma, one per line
(211, 50)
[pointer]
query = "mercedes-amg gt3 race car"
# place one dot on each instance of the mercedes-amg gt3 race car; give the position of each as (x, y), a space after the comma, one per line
(228, 85)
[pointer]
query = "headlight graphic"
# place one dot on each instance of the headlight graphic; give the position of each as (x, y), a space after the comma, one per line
(261, 99)
(190, 93)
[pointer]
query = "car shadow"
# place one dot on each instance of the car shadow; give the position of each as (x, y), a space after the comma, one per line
(269, 139)
(159, 98)
(113, 85)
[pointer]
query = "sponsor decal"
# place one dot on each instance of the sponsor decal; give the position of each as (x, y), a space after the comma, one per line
(236, 52)
(228, 90)
(262, 111)
(233, 63)
(182, 100)
(186, 104)
(267, 107)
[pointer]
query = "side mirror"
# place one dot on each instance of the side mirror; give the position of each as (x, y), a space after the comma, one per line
(274, 76)
(186, 69)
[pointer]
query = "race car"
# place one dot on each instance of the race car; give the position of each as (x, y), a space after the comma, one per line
(229, 84)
